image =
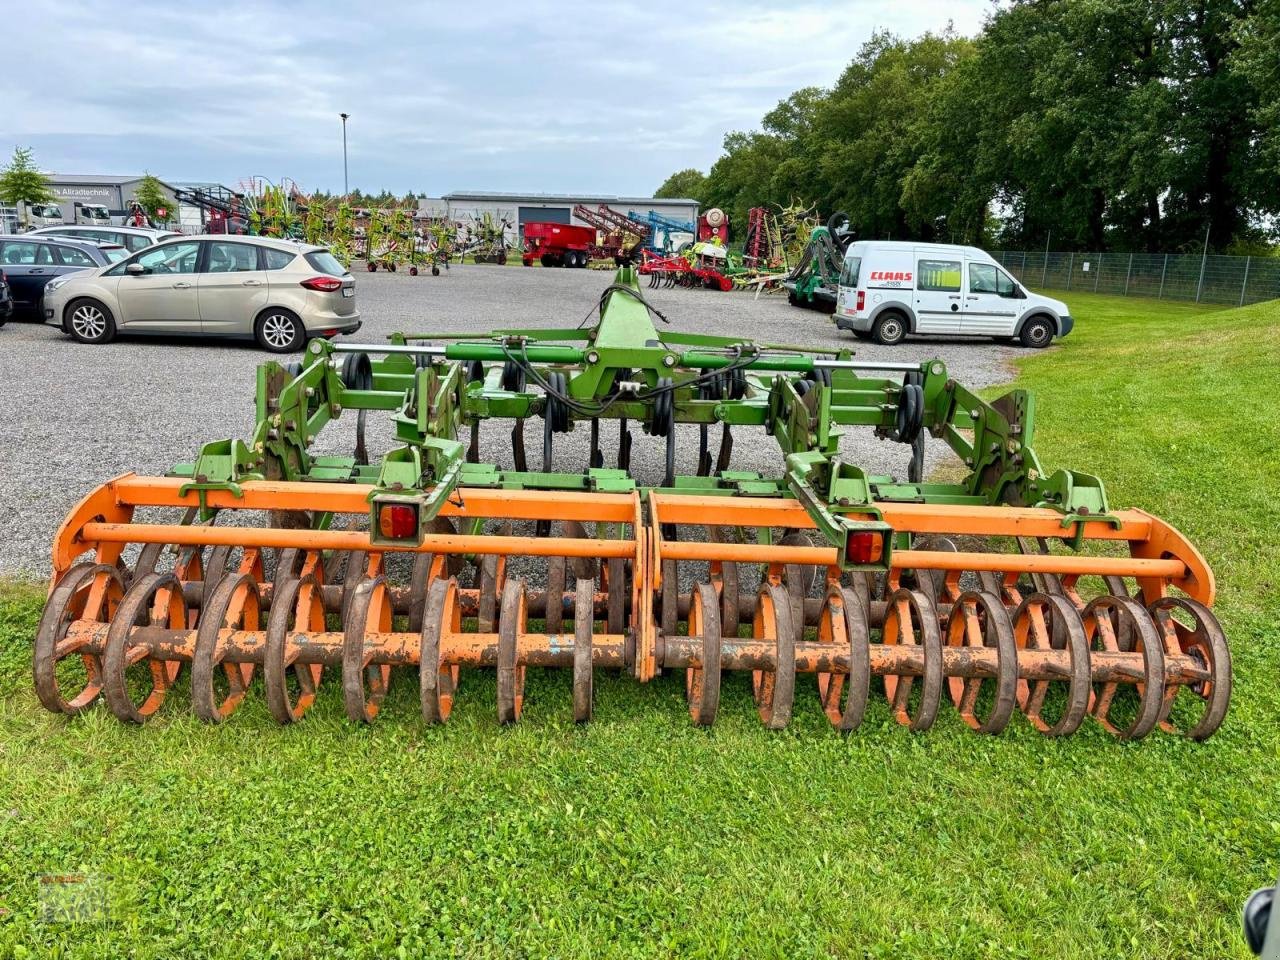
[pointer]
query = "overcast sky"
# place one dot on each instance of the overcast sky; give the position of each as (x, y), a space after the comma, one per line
(531, 96)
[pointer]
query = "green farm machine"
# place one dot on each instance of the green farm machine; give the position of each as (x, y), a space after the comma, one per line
(1012, 589)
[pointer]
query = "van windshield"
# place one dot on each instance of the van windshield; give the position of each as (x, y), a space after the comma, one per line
(849, 274)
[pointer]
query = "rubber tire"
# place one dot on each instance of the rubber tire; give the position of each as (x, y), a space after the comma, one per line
(546, 260)
(107, 335)
(435, 271)
(887, 319)
(300, 332)
(1037, 333)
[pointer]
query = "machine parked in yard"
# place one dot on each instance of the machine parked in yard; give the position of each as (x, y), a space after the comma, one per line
(814, 280)
(1012, 588)
(558, 244)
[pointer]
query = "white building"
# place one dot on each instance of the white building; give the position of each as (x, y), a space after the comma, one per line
(518, 209)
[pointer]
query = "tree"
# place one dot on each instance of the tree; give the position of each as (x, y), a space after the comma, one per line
(151, 197)
(21, 183)
(684, 185)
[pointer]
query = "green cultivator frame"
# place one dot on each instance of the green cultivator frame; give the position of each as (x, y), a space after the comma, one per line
(1012, 587)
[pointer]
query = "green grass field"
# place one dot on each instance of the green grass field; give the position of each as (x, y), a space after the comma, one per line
(640, 835)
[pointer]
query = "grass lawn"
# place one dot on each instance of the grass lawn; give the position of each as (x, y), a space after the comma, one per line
(640, 835)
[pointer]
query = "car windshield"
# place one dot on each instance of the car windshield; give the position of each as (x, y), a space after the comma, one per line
(47, 211)
(326, 262)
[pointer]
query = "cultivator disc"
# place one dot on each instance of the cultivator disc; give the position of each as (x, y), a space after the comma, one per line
(274, 572)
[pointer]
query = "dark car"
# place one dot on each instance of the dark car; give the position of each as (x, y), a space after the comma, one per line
(6, 299)
(30, 262)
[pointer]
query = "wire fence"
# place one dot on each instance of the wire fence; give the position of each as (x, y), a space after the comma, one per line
(1163, 276)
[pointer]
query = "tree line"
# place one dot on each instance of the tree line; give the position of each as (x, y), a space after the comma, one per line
(1129, 124)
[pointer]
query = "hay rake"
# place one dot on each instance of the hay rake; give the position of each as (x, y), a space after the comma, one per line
(1011, 590)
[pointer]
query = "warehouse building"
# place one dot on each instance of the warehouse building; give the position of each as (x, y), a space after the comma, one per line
(112, 192)
(517, 209)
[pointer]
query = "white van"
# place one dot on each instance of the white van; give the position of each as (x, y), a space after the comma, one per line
(889, 289)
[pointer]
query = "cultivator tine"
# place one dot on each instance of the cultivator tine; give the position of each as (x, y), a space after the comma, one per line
(445, 565)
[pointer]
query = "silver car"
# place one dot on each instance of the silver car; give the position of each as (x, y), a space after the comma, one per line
(278, 292)
(131, 238)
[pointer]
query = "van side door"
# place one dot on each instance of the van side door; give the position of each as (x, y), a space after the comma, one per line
(938, 299)
(992, 301)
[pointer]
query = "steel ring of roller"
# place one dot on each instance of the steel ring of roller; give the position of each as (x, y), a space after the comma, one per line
(979, 619)
(215, 616)
(923, 630)
(1207, 643)
(438, 681)
(843, 624)
(774, 690)
(66, 604)
(727, 575)
(296, 606)
(1104, 618)
(370, 612)
(1047, 621)
(702, 683)
(583, 666)
(511, 623)
(170, 610)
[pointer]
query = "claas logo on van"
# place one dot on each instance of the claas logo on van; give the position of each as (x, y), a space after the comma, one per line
(891, 275)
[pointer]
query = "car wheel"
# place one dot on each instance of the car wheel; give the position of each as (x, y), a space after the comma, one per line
(1037, 333)
(890, 328)
(279, 331)
(89, 321)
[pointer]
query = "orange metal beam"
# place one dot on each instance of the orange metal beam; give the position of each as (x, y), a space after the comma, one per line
(350, 540)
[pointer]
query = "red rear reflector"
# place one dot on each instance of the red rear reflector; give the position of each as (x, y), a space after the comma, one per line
(398, 521)
(323, 284)
(863, 548)
(862, 300)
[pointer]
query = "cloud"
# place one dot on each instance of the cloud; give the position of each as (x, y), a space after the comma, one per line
(552, 96)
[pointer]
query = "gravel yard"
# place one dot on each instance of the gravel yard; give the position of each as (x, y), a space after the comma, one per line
(79, 415)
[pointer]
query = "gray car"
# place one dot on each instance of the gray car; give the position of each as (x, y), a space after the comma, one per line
(31, 262)
(277, 292)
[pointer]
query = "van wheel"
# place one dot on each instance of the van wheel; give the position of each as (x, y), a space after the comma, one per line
(1037, 333)
(90, 322)
(890, 328)
(279, 331)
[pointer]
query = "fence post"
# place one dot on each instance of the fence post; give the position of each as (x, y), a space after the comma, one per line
(1097, 277)
(1204, 258)
(1245, 282)
(1022, 271)
(1044, 274)
(1163, 271)
(1127, 274)
(1071, 268)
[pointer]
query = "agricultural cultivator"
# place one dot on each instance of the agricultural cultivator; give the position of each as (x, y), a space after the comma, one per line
(1011, 589)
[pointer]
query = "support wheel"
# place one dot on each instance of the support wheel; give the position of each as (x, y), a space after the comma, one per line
(890, 328)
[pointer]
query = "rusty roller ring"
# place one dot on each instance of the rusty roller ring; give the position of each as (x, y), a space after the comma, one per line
(669, 626)
(438, 681)
(119, 655)
(729, 584)
(493, 569)
(353, 575)
(979, 619)
(289, 565)
(1047, 621)
(511, 623)
(553, 614)
(65, 604)
(844, 623)
(924, 632)
(215, 569)
(702, 683)
(1205, 642)
(296, 605)
(420, 580)
(933, 583)
(209, 651)
(1105, 619)
(370, 611)
(797, 578)
(583, 668)
(617, 591)
(774, 691)
(148, 557)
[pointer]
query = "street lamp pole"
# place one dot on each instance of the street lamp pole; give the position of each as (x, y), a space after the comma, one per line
(345, 188)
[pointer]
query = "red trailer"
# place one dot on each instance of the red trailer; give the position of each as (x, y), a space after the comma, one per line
(557, 244)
